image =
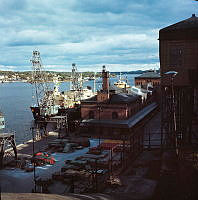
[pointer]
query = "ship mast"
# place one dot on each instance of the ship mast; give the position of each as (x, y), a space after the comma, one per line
(39, 79)
(76, 82)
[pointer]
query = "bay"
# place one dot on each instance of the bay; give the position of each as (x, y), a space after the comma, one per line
(17, 97)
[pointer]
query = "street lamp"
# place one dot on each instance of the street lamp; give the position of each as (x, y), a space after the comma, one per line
(99, 110)
(33, 154)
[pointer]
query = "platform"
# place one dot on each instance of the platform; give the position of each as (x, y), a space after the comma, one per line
(5, 139)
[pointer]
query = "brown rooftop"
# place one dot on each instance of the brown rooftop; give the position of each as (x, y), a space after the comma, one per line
(191, 22)
(183, 30)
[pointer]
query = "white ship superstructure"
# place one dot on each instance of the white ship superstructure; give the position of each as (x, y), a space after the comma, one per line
(121, 83)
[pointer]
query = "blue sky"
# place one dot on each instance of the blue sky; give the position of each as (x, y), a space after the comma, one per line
(122, 34)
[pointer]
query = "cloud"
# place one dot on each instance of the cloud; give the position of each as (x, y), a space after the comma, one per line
(32, 38)
(90, 33)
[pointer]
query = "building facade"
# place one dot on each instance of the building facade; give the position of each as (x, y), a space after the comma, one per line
(178, 48)
(109, 105)
(150, 77)
(111, 113)
(178, 44)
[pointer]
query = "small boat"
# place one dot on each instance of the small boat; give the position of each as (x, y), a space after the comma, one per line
(121, 84)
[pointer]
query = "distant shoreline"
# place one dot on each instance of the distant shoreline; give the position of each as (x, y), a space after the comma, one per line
(24, 81)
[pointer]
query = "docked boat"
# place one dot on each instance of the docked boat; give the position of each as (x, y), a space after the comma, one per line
(121, 83)
(53, 102)
(2, 121)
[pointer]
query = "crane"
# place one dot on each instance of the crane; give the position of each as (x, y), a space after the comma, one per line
(45, 105)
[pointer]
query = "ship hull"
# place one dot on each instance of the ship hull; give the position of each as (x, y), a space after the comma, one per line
(36, 112)
(71, 113)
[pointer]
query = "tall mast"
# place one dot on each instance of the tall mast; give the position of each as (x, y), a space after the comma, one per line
(94, 83)
(39, 79)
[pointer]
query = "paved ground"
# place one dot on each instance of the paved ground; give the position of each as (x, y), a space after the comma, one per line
(153, 132)
(140, 179)
(14, 180)
(34, 196)
(138, 182)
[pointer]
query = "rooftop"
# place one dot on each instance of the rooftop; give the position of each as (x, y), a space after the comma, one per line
(123, 98)
(115, 98)
(149, 74)
(189, 23)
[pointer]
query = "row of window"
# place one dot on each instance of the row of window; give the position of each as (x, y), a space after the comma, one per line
(153, 83)
(92, 115)
(114, 114)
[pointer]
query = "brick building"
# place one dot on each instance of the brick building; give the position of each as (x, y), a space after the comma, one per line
(150, 77)
(179, 85)
(178, 48)
(110, 112)
(178, 45)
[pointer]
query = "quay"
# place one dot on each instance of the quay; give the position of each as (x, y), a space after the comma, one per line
(16, 175)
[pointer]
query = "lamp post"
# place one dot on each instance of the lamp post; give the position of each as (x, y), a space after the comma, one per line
(33, 155)
(99, 110)
(173, 74)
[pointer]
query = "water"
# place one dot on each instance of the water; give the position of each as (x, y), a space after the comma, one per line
(16, 99)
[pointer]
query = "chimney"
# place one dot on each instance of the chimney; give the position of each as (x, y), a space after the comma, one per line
(105, 79)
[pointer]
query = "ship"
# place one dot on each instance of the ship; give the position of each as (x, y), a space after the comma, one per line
(121, 83)
(53, 102)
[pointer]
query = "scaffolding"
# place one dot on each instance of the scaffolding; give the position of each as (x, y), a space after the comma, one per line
(176, 118)
(6, 140)
(39, 79)
(177, 107)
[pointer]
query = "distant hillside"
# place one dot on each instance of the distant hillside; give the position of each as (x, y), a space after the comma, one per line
(133, 72)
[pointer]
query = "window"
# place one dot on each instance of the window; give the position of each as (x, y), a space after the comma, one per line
(91, 114)
(114, 115)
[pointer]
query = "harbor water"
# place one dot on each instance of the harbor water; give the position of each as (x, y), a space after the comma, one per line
(17, 97)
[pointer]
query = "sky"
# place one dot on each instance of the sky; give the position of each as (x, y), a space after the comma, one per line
(121, 34)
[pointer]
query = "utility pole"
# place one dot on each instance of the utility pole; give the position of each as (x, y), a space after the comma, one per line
(33, 157)
(96, 175)
(99, 110)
